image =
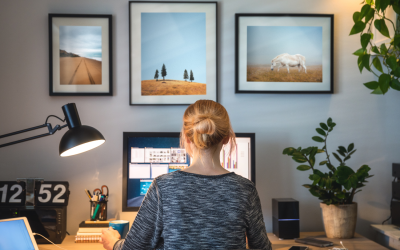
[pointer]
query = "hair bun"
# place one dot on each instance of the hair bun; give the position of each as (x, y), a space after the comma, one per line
(205, 125)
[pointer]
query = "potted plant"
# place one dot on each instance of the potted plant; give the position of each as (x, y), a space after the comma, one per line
(374, 14)
(335, 188)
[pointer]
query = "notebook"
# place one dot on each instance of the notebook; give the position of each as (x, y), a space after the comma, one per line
(16, 234)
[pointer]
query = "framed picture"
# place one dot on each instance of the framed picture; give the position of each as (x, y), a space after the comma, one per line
(173, 52)
(284, 53)
(80, 49)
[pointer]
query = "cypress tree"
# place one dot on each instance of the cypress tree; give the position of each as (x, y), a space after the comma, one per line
(163, 72)
(191, 76)
(185, 75)
(156, 75)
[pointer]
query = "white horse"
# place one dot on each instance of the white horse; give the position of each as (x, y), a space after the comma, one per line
(289, 61)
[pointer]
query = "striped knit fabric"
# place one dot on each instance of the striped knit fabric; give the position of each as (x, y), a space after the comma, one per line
(189, 211)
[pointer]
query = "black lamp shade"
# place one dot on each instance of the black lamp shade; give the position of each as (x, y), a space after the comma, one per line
(79, 140)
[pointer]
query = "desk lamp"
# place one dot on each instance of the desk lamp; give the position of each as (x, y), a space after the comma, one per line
(78, 139)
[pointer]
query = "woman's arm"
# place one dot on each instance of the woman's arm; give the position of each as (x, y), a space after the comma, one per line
(146, 230)
(256, 232)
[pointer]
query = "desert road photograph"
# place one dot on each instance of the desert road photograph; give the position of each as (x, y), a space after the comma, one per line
(80, 55)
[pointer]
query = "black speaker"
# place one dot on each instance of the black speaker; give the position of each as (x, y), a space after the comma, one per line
(285, 218)
(395, 212)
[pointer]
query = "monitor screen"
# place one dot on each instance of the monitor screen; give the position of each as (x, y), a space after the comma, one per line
(148, 155)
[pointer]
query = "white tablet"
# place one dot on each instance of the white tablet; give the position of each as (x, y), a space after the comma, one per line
(16, 234)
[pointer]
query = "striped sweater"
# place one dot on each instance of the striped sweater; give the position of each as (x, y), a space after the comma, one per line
(183, 210)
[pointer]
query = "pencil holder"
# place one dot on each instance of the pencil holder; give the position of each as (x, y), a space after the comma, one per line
(98, 210)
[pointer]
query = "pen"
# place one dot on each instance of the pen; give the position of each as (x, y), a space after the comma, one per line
(87, 193)
(96, 211)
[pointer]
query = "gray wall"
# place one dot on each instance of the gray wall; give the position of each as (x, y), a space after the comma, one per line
(279, 121)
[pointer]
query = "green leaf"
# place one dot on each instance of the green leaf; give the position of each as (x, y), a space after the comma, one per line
(365, 61)
(375, 49)
(384, 82)
(323, 126)
(392, 62)
(377, 64)
(323, 163)
(288, 151)
(307, 185)
(318, 139)
(356, 16)
(346, 158)
(364, 11)
(299, 160)
(377, 91)
(384, 50)
(384, 4)
(337, 157)
(370, 2)
(396, 72)
(303, 167)
(395, 84)
(377, 5)
(360, 52)
(380, 25)
(372, 85)
(320, 131)
(341, 153)
(314, 192)
(352, 152)
(357, 28)
(360, 63)
(396, 40)
(320, 151)
(369, 15)
(396, 7)
(329, 122)
(331, 167)
(342, 149)
(350, 147)
(365, 38)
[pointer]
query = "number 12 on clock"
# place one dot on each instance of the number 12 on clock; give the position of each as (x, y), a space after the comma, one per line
(12, 193)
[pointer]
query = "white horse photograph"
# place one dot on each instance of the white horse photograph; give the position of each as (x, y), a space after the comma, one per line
(287, 60)
(284, 54)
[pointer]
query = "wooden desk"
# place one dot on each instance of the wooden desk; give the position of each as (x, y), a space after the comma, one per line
(357, 243)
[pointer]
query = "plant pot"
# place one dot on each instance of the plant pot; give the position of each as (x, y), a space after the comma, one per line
(339, 220)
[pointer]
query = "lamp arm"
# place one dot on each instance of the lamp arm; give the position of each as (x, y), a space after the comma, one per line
(48, 125)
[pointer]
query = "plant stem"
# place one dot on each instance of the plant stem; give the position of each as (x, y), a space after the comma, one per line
(352, 195)
(326, 149)
(308, 162)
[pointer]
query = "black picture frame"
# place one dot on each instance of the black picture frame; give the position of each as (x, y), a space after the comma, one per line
(242, 65)
(135, 95)
(90, 86)
(125, 160)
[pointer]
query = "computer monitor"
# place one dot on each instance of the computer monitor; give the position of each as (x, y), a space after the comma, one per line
(147, 155)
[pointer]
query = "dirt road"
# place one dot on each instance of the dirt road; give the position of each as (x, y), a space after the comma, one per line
(79, 70)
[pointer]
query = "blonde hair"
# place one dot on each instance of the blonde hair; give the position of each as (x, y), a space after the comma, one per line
(205, 124)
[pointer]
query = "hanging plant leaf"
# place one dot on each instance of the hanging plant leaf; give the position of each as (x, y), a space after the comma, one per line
(384, 82)
(392, 62)
(365, 61)
(377, 91)
(357, 28)
(375, 50)
(396, 7)
(384, 50)
(360, 52)
(384, 4)
(380, 25)
(395, 84)
(372, 85)
(369, 15)
(360, 63)
(396, 40)
(364, 11)
(377, 5)
(356, 16)
(365, 38)
(377, 64)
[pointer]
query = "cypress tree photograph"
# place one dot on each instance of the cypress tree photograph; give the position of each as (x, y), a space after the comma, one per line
(173, 41)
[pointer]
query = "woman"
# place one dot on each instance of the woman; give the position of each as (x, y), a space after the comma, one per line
(203, 206)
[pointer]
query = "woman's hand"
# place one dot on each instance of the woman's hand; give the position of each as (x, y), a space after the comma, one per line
(109, 237)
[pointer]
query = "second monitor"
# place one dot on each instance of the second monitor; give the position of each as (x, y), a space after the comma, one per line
(148, 155)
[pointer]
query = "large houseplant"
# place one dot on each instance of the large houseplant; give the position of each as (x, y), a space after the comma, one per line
(335, 188)
(374, 14)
